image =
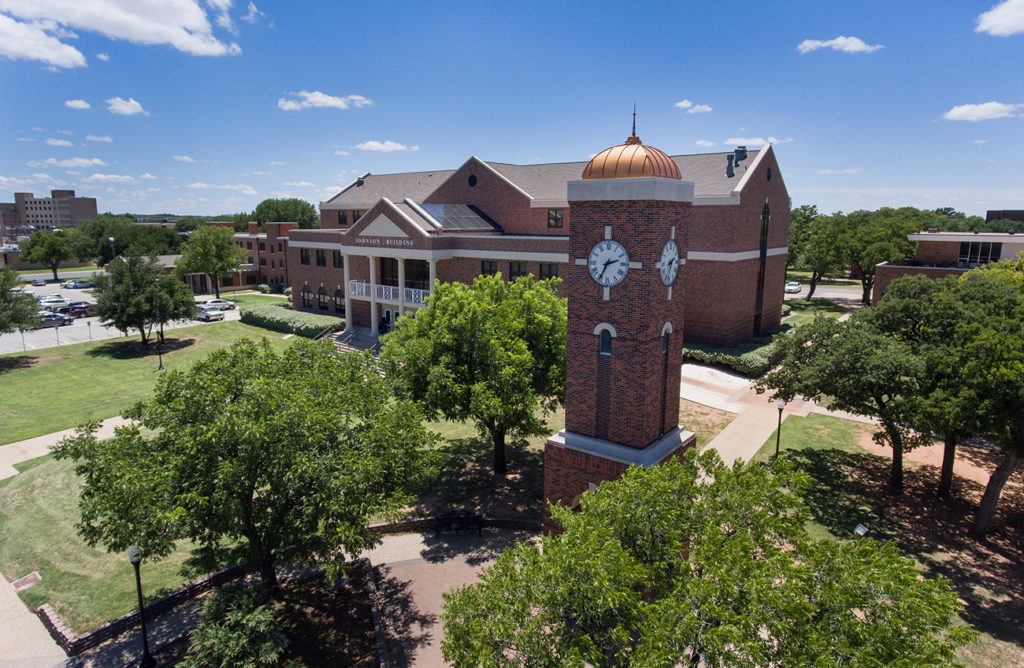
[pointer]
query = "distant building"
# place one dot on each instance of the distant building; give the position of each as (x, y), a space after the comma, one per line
(265, 253)
(942, 254)
(29, 213)
(1005, 214)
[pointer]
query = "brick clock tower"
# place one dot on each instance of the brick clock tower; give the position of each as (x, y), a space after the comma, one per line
(627, 244)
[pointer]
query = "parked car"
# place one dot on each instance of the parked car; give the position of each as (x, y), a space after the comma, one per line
(38, 281)
(82, 285)
(55, 305)
(222, 304)
(59, 319)
(793, 286)
(209, 313)
(80, 309)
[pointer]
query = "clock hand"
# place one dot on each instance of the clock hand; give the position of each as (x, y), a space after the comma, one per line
(607, 263)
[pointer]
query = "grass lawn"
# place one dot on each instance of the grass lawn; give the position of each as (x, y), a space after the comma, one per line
(48, 272)
(849, 488)
(805, 311)
(58, 388)
(703, 420)
(87, 586)
(805, 278)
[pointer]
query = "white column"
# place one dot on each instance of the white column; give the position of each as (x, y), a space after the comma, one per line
(401, 286)
(349, 326)
(374, 329)
(433, 274)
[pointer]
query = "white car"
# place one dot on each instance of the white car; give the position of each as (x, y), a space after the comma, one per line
(793, 286)
(222, 304)
(209, 313)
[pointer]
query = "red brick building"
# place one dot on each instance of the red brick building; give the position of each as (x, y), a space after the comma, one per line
(265, 253)
(385, 238)
(29, 213)
(941, 254)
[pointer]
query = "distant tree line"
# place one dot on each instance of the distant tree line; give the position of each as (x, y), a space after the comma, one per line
(291, 210)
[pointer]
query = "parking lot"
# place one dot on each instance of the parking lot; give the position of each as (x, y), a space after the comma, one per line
(82, 330)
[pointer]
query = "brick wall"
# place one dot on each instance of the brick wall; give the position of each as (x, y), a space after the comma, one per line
(943, 252)
(887, 273)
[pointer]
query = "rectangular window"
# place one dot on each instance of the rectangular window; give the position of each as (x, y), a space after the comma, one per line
(271, 264)
(280, 247)
(488, 267)
(250, 260)
(389, 271)
(417, 274)
(263, 261)
(336, 258)
(307, 298)
(516, 269)
(321, 258)
(304, 256)
(248, 245)
(263, 246)
(979, 252)
(555, 217)
(548, 271)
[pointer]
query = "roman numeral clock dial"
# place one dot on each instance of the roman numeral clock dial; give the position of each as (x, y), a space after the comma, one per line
(608, 263)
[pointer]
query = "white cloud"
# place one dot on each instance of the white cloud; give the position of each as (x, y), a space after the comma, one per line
(30, 41)
(684, 104)
(12, 182)
(341, 152)
(65, 132)
(299, 184)
(184, 158)
(776, 140)
(26, 139)
(699, 109)
(73, 172)
(70, 162)
(318, 99)
(31, 31)
(77, 104)
(129, 107)
(262, 173)
(38, 176)
(981, 112)
(1003, 20)
(102, 138)
(746, 141)
(851, 170)
(242, 187)
(384, 146)
(980, 141)
(276, 162)
(58, 142)
(109, 178)
(147, 176)
(254, 14)
(103, 56)
(704, 142)
(841, 43)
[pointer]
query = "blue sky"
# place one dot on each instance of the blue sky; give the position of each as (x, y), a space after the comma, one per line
(209, 106)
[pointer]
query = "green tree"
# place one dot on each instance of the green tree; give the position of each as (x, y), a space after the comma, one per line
(238, 630)
(49, 248)
(17, 310)
(292, 210)
(822, 252)
(799, 229)
(862, 371)
(871, 237)
(188, 223)
(169, 300)
(210, 250)
(270, 456)
(695, 561)
(487, 352)
(122, 295)
(130, 238)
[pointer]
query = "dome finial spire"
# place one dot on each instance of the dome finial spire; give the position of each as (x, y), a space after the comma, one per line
(633, 139)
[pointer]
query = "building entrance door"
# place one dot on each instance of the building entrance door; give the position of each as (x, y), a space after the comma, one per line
(389, 317)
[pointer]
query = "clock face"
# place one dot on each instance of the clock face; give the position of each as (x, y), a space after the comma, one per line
(669, 265)
(608, 263)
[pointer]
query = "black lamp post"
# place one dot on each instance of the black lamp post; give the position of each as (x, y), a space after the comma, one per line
(113, 253)
(135, 555)
(781, 403)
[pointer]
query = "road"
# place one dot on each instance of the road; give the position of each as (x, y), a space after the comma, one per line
(64, 275)
(83, 329)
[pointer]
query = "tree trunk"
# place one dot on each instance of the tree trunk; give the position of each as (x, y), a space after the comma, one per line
(145, 337)
(866, 284)
(53, 267)
(813, 284)
(269, 574)
(216, 286)
(948, 456)
(896, 475)
(992, 491)
(499, 452)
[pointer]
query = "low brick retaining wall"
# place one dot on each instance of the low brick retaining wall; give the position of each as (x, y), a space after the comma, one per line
(419, 524)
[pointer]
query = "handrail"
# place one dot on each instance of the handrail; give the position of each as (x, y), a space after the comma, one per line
(329, 330)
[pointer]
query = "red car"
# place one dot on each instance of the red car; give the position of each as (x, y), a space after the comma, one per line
(80, 309)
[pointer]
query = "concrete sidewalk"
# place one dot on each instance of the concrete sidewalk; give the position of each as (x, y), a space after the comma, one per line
(22, 451)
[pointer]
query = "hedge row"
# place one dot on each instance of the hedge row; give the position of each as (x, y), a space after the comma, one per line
(751, 359)
(280, 318)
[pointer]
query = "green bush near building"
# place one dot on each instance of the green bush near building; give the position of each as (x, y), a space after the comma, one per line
(751, 359)
(280, 318)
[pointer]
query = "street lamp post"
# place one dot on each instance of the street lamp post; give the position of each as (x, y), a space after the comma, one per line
(781, 404)
(135, 555)
(113, 253)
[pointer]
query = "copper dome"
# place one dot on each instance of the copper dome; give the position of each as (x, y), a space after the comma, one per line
(631, 160)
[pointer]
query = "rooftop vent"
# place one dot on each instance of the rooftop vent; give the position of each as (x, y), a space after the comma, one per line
(933, 230)
(741, 154)
(728, 168)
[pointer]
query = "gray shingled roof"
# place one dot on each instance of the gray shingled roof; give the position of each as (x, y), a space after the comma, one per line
(544, 181)
(368, 190)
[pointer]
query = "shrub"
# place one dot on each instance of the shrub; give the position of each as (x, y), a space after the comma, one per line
(786, 309)
(280, 318)
(288, 291)
(238, 629)
(264, 288)
(751, 359)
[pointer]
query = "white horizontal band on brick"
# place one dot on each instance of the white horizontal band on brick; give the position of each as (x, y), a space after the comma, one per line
(732, 199)
(521, 256)
(739, 256)
(315, 244)
(443, 254)
(655, 453)
(967, 236)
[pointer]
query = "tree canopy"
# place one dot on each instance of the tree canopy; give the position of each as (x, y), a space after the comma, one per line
(254, 452)
(130, 238)
(50, 248)
(694, 561)
(137, 295)
(211, 251)
(489, 352)
(292, 210)
(17, 310)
